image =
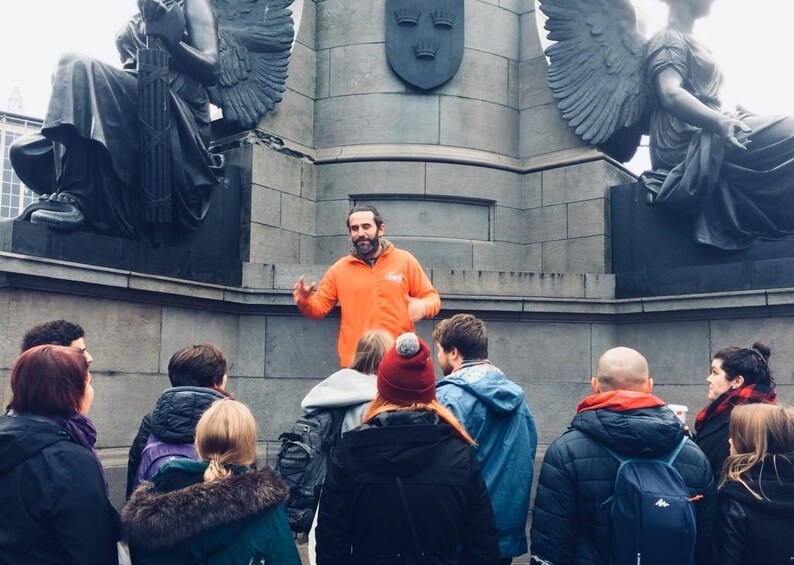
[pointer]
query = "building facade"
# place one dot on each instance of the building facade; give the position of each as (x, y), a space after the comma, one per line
(14, 196)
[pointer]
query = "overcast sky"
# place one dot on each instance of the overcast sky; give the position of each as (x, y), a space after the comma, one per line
(36, 32)
(753, 42)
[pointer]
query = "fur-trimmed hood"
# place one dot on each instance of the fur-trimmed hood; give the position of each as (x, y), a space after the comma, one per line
(153, 520)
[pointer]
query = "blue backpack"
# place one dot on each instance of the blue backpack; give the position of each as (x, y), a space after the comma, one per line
(157, 453)
(652, 515)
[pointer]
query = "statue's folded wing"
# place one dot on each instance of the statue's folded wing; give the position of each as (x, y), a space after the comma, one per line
(595, 68)
(255, 39)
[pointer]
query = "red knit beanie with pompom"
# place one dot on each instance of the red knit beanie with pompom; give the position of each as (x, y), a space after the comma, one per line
(406, 373)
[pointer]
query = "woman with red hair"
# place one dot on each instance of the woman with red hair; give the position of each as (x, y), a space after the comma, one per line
(405, 487)
(52, 488)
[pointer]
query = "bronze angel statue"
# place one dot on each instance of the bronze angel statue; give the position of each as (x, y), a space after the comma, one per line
(85, 163)
(732, 173)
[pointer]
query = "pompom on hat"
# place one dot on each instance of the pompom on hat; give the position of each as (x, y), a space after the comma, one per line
(406, 372)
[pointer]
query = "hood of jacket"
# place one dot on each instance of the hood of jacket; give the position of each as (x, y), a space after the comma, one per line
(346, 387)
(23, 436)
(632, 423)
(178, 410)
(153, 520)
(399, 443)
(773, 480)
(488, 384)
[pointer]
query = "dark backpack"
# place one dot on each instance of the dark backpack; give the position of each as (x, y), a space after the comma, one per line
(652, 515)
(157, 453)
(302, 462)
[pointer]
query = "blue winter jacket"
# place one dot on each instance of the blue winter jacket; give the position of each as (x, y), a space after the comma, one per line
(493, 411)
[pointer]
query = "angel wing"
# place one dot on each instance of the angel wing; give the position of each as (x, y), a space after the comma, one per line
(255, 39)
(595, 71)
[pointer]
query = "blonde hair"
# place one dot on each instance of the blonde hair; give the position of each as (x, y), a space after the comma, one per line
(226, 435)
(370, 349)
(380, 405)
(757, 430)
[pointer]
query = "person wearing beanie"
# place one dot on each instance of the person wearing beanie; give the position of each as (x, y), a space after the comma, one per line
(406, 483)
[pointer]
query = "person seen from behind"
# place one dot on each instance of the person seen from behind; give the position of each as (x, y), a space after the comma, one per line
(573, 513)
(350, 389)
(755, 517)
(198, 378)
(739, 375)
(492, 409)
(217, 510)
(57, 332)
(405, 487)
(53, 490)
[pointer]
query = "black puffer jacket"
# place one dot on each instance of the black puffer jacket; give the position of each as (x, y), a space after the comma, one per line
(570, 522)
(749, 531)
(52, 494)
(362, 519)
(173, 420)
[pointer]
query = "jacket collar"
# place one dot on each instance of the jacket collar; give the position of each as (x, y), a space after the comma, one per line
(154, 520)
(619, 401)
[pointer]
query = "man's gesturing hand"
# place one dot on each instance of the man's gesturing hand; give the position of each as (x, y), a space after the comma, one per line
(302, 291)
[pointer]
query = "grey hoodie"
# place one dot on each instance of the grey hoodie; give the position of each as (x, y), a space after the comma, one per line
(345, 388)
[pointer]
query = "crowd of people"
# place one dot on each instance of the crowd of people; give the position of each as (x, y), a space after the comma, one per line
(413, 469)
(425, 470)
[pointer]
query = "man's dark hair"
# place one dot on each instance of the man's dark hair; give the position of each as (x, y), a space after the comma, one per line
(197, 365)
(57, 332)
(464, 332)
(365, 208)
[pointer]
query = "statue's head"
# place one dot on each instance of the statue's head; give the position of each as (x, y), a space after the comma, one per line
(696, 8)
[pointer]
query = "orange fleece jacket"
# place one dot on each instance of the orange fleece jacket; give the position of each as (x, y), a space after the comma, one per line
(371, 298)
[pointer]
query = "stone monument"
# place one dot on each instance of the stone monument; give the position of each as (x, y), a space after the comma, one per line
(480, 177)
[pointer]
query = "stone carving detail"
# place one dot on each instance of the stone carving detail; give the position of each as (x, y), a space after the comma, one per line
(729, 173)
(125, 152)
(424, 40)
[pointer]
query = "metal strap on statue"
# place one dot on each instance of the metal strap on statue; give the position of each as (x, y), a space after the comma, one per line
(155, 126)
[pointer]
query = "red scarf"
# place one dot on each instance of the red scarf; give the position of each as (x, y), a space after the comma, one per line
(747, 394)
(619, 401)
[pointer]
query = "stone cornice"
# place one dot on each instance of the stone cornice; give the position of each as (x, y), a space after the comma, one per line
(551, 296)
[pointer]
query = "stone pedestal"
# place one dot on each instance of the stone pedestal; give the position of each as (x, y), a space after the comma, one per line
(511, 216)
(654, 255)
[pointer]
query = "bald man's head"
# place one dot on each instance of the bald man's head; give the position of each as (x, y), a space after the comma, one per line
(622, 368)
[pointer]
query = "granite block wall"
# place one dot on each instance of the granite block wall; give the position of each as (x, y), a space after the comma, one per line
(546, 332)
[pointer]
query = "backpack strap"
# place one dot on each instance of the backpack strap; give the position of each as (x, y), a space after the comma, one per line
(677, 450)
(669, 460)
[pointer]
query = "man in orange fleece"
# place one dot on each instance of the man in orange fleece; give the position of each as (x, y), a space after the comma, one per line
(571, 521)
(377, 286)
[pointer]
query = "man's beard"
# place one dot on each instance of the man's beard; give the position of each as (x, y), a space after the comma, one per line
(366, 246)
